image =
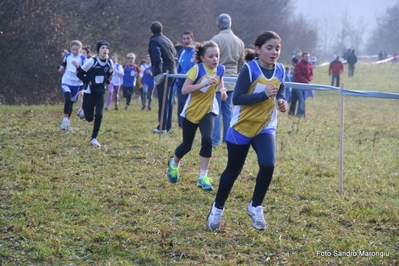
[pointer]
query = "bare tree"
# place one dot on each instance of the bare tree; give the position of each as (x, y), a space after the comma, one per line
(343, 37)
(357, 35)
(385, 34)
(327, 35)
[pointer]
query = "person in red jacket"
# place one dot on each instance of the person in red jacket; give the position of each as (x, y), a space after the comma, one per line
(335, 70)
(303, 73)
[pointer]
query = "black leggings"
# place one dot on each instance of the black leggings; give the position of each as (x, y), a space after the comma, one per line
(265, 148)
(68, 104)
(90, 102)
(189, 130)
(127, 93)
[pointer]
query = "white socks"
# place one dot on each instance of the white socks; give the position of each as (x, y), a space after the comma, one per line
(203, 173)
(174, 164)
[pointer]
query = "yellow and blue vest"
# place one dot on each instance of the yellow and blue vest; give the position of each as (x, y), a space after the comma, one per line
(200, 103)
(251, 120)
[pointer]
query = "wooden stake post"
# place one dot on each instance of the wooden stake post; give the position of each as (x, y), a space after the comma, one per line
(165, 89)
(341, 143)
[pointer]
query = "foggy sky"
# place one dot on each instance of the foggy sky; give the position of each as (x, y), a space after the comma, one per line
(326, 13)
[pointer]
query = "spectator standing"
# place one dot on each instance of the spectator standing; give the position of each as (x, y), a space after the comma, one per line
(382, 55)
(232, 57)
(186, 61)
(395, 57)
(351, 60)
(303, 73)
(290, 76)
(313, 60)
(347, 52)
(163, 58)
(335, 70)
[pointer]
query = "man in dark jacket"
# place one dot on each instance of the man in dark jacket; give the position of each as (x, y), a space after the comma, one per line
(303, 73)
(163, 58)
(352, 60)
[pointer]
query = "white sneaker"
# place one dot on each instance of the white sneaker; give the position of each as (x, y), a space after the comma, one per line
(95, 143)
(214, 218)
(256, 213)
(81, 114)
(65, 125)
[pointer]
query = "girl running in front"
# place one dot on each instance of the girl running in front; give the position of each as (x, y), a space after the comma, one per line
(70, 83)
(200, 110)
(259, 86)
(97, 72)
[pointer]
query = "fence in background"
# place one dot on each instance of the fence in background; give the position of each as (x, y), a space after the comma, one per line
(342, 91)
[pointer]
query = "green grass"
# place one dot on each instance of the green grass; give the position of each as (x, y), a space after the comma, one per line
(63, 202)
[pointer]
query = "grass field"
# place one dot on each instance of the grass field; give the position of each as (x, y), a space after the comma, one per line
(64, 202)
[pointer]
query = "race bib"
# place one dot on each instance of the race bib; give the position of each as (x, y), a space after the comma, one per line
(204, 89)
(71, 68)
(259, 88)
(99, 79)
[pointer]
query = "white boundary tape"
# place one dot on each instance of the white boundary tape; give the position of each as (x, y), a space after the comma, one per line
(343, 92)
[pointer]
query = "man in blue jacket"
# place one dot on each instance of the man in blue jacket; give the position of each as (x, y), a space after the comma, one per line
(186, 61)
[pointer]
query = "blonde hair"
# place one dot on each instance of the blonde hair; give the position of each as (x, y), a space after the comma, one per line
(131, 54)
(76, 42)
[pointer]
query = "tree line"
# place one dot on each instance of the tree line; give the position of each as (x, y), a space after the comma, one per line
(35, 33)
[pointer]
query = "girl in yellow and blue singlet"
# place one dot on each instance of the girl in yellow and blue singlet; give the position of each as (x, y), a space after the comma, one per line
(259, 92)
(200, 110)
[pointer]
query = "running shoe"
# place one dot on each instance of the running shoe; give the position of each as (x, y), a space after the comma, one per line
(173, 172)
(214, 218)
(95, 143)
(256, 213)
(205, 183)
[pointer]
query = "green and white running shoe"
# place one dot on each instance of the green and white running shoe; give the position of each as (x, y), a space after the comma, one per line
(205, 183)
